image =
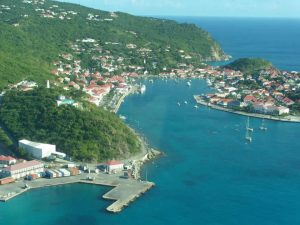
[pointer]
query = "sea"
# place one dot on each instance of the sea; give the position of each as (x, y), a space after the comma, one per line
(208, 174)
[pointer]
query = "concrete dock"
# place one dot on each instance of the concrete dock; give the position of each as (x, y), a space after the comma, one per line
(124, 191)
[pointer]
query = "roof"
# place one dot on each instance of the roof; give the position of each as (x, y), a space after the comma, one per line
(6, 158)
(34, 144)
(23, 165)
(113, 163)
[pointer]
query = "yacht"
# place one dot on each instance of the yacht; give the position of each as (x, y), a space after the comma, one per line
(248, 132)
(263, 126)
(143, 89)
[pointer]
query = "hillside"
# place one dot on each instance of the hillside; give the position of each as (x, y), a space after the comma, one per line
(90, 134)
(34, 33)
(249, 65)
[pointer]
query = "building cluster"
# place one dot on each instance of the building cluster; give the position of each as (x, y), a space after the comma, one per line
(265, 93)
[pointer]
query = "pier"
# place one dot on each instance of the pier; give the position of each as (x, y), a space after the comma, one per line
(124, 191)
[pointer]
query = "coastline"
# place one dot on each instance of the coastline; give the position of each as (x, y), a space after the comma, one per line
(291, 119)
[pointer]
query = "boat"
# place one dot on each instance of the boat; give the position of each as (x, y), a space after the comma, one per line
(248, 132)
(196, 106)
(208, 82)
(188, 83)
(123, 117)
(178, 103)
(248, 126)
(143, 89)
(263, 126)
(185, 102)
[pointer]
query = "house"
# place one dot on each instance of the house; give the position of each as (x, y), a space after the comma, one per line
(283, 110)
(40, 150)
(250, 99)
(7, 160)
(114, 165)
(224, 102)
(234, 104)
(23, 169)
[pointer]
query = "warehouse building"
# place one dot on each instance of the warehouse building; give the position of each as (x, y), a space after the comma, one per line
(40, 150)
(23, 169)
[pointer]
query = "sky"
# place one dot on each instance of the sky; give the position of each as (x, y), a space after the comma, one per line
(220, 8)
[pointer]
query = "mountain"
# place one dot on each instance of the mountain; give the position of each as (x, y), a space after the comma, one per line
(249, 65)
(35, 32)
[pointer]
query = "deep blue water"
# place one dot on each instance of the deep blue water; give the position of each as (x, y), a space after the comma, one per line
(277, 40)
(208, 176)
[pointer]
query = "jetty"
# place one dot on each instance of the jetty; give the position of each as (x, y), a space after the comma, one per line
(123, 192)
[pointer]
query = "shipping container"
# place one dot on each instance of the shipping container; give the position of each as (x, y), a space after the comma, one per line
(65, 172)
(7, 180)
(74, 171)
(50, 174)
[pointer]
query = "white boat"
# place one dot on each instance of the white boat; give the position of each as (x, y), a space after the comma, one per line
(178, 103)
(248, 131)
(123, 117)
(263, 126)
(248, 126)
(185, 102)
(188, 83)
(208, 82)
(143, 89)
(196, 106)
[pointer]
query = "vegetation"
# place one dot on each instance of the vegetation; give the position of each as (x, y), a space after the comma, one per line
(4, 139)
(249, 65)
(29, 43)
(89, 134)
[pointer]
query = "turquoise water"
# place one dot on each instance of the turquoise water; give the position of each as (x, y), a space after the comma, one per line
(208, 176)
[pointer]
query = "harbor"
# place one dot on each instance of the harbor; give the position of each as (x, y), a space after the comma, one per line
(123, 192)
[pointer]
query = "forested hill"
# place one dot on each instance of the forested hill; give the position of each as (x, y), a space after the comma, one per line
(88, 134)
(34, 33)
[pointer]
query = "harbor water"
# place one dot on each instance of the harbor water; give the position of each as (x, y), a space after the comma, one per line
(209, 174)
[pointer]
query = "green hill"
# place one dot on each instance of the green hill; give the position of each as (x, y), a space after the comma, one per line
(249, 65)
(34, 33)
(90, 134)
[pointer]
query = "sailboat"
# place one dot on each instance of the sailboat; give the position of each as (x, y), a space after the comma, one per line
(263, 126)
(248, 132)
(248, 126)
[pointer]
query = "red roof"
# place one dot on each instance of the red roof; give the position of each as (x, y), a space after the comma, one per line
(113, 163)
(23, 165)
(6, 158)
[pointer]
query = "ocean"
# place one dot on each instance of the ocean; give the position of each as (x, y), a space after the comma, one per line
(209, 175)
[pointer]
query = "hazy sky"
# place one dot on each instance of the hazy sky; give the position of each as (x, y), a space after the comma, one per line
(231, 8)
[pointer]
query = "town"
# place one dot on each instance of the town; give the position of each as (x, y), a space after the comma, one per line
(268, 93)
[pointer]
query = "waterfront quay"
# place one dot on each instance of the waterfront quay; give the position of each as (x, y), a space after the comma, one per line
(289, 118)
(123, 192)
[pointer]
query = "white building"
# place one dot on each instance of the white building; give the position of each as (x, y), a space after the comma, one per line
(7, 160)
(20, 170)
(283, 110)
(114, 165)
(40, 150)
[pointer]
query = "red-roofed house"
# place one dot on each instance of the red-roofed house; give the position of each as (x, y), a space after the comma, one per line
(20, 170)
(7, 160)
(114, 165)
(250, 99)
